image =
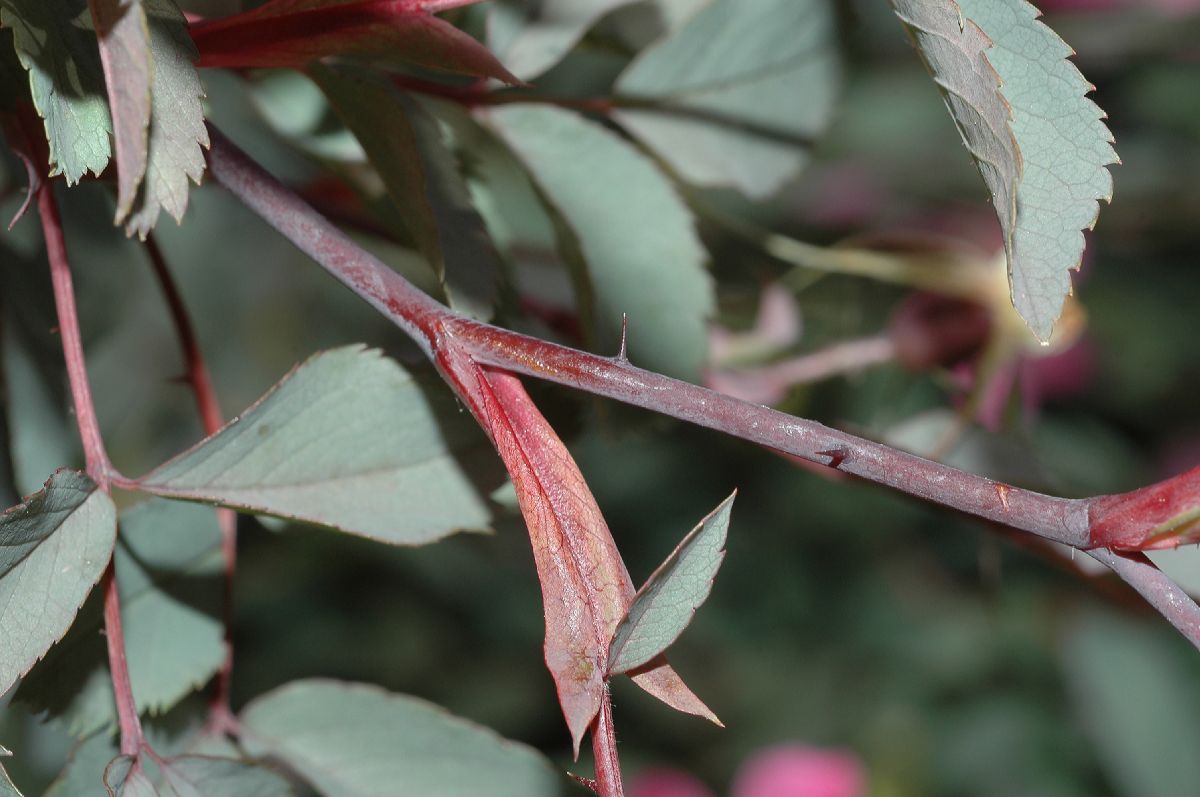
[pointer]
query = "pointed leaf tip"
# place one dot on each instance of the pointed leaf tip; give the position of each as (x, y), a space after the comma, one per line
(666, 603)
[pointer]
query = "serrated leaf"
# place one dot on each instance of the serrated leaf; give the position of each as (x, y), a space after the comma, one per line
(348, 440)
(531, 36)
(53, 549)
(124, 38)
(666, 603)
(177, 133)
(606, 191)
(586, 588)
(354, 740)
(955, 52)
(406, 146)
(168, 564)
(292, 33)
(1064, 147)
(736, 95)
(56, 44)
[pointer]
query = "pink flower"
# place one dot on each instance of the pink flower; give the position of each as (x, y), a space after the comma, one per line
(667, 783)
(795, 770)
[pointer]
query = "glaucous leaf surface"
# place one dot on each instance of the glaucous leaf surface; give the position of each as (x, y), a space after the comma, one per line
(355, 740)
(168, 563)
(530, 36)
(1137, 701)
(607, 191)
(1064, 146)
(666, 603)
(955, 52)
(56, 44)
(53, 549)
(348, 440)
(737, 93)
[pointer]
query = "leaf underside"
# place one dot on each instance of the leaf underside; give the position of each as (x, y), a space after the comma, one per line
(1063, 147)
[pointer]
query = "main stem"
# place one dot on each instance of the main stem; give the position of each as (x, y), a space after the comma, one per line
(439, 330)
(96, 457)
(433, 326)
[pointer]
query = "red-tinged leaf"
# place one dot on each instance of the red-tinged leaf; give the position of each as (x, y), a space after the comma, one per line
(1163, 515)
(290, 33)
(124, 37)
(586, 589)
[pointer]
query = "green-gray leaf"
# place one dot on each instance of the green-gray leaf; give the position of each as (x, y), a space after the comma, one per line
(530, 36)
(1137, 700)
(177, 132)
(354, 740)
(1065, 148)
(666, 603)
(737, 94)
(56, 43)
(53, 549)
(168, 564)
(954, 50)
(348, 440)
(607, 192)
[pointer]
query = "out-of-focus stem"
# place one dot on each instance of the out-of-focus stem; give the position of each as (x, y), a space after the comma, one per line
(198, 379)
(98, 467)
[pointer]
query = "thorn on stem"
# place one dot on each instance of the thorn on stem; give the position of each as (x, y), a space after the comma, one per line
(836, 456)
(587, 783)
(623, 353)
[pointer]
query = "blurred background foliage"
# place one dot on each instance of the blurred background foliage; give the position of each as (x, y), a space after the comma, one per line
(950, 658)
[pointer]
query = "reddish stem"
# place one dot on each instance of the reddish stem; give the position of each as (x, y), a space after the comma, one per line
(441, 332)
(604, 749)
(98, 466)
(212, 419)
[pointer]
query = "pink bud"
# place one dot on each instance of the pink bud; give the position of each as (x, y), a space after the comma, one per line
(795, 770)
(667, 783)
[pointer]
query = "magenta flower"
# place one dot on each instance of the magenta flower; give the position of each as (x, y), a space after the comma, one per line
(796, 770)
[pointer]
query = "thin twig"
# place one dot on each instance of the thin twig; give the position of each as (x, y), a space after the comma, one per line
(212, 419)
(98, 467)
